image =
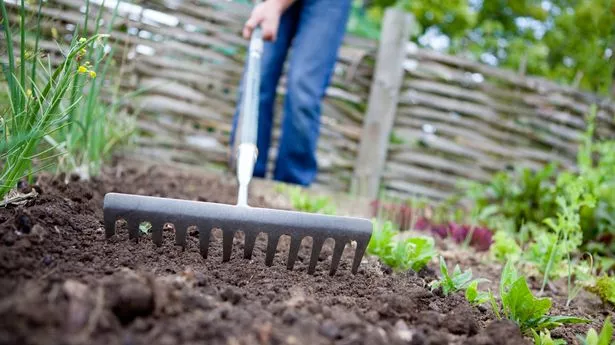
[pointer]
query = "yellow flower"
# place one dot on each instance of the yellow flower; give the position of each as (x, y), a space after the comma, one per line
(54, 33)
(29, 92)
(92, 74)
(82, 69)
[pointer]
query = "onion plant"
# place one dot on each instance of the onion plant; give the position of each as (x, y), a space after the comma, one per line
(34, 110)
(93, 127)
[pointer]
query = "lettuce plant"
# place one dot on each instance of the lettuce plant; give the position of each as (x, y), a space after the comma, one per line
(519, 305)
(410, 253)
(400, 253)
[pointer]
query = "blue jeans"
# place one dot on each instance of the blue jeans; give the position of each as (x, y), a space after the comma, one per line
(315, 30)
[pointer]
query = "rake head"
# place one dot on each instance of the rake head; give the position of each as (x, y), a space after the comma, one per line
(135, 209)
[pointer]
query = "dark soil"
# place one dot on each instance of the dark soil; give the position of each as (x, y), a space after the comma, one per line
(63, 282)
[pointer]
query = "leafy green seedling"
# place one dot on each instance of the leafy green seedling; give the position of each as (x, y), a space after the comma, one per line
(410, 253)
(522, 307)
(145, 227)
(302, 201)
(474, 296)
(382, 235)
(459, 281)
(604, 338)
(544, 338)
(504, 247)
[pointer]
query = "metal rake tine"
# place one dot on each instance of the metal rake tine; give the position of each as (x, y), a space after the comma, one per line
(295, 243)
(358, 256)
(133, 230)
(227, 244)
(316, 248)
(204, 235)
(272, 246)
(109, 219)
(249, 241)
(337, 255)
(157, 233)
(181, 231)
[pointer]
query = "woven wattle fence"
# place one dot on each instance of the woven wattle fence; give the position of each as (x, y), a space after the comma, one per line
(453, 118)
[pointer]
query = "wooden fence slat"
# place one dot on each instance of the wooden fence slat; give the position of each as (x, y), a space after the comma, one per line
(382, 104)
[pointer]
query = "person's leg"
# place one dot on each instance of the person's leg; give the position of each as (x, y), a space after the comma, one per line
(272, 62)
(322, 25)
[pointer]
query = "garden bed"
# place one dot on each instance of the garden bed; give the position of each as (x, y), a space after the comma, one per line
(63, 282)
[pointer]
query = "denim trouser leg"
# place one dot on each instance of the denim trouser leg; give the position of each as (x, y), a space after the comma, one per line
(272, 63)
(320, 32)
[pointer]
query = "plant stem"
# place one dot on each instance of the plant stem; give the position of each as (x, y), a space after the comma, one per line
(36, 42)
(22, 48)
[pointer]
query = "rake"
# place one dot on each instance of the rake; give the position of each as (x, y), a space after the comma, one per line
(135, 209)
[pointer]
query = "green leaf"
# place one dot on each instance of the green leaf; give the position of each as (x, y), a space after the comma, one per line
(606, 334)
(550, 322)
(522, 306)
(474, 296)
(509, 275)
(592, 338)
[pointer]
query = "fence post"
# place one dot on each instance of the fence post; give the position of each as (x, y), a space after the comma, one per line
(382, 103)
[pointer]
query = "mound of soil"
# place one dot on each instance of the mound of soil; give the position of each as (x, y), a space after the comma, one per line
(63, 282)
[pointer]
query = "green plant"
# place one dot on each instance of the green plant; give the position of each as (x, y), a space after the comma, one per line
(410, 253)
(474, 296)
(400, 254)
(567, 228)
(94, 128)
(382, 236)
(459, 281)
(554, 213)
(519, 305)
(34, 110)
(305, 202)
(604, 338)
(505, 247)
(544, 338)
(602, 286)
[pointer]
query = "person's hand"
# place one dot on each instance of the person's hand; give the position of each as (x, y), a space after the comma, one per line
(266, 14)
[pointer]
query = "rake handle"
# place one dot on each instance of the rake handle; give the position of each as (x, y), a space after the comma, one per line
(248, 131)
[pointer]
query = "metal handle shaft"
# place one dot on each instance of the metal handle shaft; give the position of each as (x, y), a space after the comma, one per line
(247, 151)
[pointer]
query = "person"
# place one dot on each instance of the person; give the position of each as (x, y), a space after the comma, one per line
(312, 30)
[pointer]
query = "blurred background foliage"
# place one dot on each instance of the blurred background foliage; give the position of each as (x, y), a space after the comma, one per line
(568, 41)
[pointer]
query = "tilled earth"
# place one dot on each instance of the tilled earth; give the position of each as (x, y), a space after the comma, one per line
(63, 282)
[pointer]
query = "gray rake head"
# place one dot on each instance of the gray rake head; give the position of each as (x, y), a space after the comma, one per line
(135, 209)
